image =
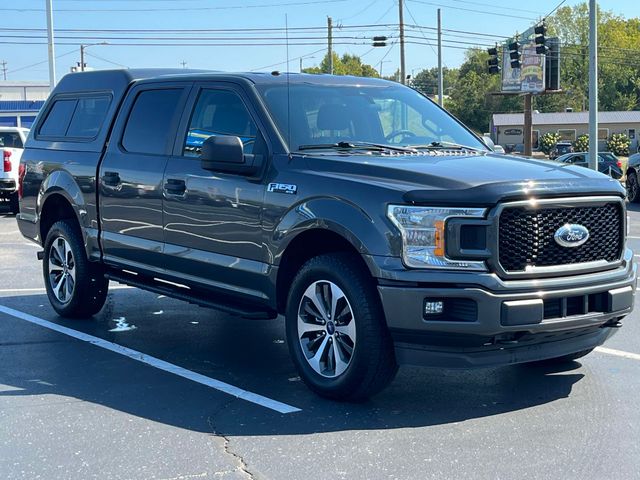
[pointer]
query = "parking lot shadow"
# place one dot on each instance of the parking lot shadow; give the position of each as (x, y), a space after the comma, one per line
(38, 362)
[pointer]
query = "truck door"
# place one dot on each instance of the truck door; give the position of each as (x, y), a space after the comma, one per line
(130, 175)
(212, 220)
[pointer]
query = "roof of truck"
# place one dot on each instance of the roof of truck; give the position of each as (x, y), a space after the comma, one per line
(119, 80)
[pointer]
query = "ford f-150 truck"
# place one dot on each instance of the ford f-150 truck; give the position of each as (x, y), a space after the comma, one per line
(380, 227)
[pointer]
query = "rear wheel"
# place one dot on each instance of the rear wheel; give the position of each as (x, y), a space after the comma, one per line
(336, 331)
(75, 286)
(633, 189)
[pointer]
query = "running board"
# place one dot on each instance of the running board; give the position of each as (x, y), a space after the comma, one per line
(214, 300)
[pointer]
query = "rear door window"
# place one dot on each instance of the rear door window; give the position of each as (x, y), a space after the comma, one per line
(150, 121)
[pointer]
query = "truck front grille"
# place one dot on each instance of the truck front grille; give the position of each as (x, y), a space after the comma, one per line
(526, 236)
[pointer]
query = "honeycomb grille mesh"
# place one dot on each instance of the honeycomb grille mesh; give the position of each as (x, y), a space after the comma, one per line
(526, 236)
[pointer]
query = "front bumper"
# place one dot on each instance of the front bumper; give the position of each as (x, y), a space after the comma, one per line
(488, 321)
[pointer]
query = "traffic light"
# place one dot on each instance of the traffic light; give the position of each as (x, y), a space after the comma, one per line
(380, 41)
(515, 54)
(541, 39)
(494, 61)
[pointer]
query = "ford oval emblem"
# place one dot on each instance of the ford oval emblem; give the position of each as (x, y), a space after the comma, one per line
(571, 236)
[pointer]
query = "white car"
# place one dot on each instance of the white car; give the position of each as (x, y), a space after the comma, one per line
(12, 144)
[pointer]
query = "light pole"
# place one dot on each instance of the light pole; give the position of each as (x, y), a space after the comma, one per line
(83, 48)
(50, 45)
(301, 61)
(593, 84)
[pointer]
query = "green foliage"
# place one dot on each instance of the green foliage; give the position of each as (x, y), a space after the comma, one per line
(619, 73)
(582, 143)
(346, 65)
(426, 81)
(548, 141)
(619, 143)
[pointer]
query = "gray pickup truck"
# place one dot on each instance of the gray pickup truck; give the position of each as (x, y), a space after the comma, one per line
(383, 229)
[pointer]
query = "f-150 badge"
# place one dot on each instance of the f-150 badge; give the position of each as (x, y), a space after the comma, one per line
(283, 188)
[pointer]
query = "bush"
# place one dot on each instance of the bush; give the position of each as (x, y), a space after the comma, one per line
(582, 143)
(548, 141)
(619, 144)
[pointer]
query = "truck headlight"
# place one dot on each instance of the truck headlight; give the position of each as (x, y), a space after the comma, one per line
(424, 238)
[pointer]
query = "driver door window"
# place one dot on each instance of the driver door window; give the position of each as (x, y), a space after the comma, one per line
(219, 112)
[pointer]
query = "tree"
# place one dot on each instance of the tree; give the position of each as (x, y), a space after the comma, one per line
(548, 141)
(426, 81)
(582, 143)
(619, 143)
(619, 71)
(346, 65)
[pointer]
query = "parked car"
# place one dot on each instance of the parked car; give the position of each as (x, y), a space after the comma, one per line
(12, 141)
(560, 149)
(384, 236)
(608, 163)
(633, 173)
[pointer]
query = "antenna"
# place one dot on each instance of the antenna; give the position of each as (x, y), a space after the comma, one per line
(286, 29)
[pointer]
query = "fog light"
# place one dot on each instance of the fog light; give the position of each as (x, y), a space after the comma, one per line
(433, 307)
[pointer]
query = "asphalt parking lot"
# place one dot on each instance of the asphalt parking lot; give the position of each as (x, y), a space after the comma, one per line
(199, 394)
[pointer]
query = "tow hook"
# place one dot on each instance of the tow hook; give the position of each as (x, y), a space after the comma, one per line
(40, 255)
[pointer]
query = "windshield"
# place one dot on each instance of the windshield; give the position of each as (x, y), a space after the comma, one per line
(385, 115)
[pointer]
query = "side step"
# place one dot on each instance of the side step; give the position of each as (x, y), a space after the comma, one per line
(213, 300)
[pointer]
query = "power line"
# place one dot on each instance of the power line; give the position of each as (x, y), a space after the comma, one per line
(180, 9)
(484, 12)
(40, 63)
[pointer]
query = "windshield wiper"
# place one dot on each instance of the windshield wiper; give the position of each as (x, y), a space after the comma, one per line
(374, 147)
(445, 146)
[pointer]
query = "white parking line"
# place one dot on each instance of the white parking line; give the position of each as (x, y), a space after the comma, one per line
(618, 353)
(156, 363)
(44, 290)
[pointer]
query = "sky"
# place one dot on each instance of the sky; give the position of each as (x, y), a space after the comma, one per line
(466, 22)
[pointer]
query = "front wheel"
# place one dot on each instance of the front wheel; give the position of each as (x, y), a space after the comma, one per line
(75, 287)
(336, 331)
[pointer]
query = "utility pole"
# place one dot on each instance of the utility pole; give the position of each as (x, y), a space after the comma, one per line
(82, 58)
(380, 69)
(440, 76)
(4, 69)
(528, 124)
(330, 43)
(184, 64)
(402, 66)
(50, 43)
(593, 84)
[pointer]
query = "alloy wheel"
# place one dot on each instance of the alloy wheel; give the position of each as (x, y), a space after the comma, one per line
(62, 270)
(326, 328)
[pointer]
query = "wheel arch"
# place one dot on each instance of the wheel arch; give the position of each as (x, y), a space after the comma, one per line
(321, 226)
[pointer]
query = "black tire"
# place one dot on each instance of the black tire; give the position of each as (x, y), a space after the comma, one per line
(90, 287)
(372, 365)
(633, 189)
(14, 204)
(565, 358)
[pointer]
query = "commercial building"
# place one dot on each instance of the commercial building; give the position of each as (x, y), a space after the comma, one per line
(507, 129)
(20, 102)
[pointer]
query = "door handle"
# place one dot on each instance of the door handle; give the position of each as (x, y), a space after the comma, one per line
(111, 179)
(175, 186)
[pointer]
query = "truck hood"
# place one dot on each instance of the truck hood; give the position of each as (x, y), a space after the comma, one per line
(470, 179)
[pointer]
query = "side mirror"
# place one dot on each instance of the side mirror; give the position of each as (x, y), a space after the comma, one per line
(488, 142)
(225, 153)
